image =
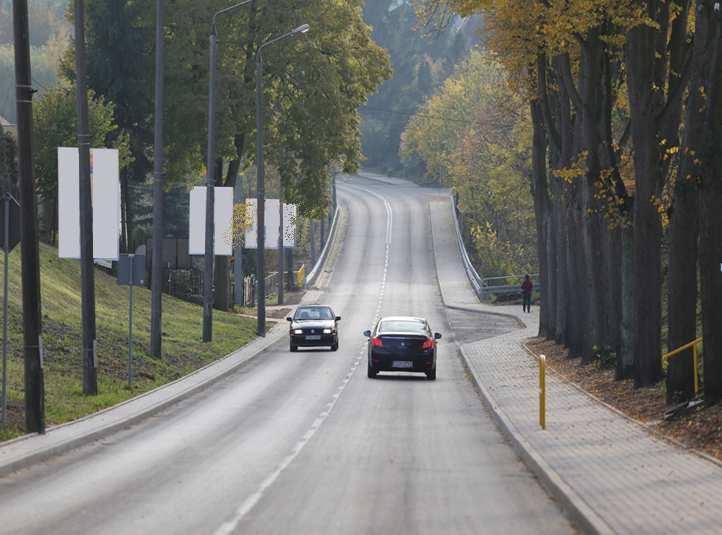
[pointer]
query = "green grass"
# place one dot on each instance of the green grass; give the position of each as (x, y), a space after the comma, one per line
(183, 351)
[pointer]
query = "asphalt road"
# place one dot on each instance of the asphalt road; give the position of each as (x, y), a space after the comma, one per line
(305, 442)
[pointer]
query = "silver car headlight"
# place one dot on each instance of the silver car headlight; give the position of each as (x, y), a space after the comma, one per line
(327, 331)
(298, 331)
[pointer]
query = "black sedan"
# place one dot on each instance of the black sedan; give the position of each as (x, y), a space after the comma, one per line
(402, 344)
(314, 326)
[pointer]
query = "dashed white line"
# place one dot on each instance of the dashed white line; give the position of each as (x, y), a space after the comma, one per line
(232, 523)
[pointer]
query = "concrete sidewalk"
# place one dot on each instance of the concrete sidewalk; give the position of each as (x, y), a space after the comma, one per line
(606, 470)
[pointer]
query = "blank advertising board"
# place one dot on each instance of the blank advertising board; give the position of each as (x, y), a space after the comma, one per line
(223, 222)
(105, 186)
(289, 225)
(272, 224)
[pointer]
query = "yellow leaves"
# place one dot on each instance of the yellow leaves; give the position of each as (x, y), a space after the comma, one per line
(242, 221)
(576, 170)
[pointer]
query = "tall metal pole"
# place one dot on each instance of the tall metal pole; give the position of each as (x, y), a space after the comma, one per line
(32, 326)
(210, 195)
(156, 305)
(131, 257)
(281, 256)
(209, 254)
(260, 201)
(87, 273)
(6, 254)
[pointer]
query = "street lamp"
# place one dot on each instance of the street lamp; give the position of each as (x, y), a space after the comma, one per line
(260, 185)
(208, 294)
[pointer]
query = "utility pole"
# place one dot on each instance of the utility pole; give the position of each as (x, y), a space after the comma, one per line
(281, 256)
(156, 307)
(87, 273)
(32, 327)
(208, 296)
(260, 202)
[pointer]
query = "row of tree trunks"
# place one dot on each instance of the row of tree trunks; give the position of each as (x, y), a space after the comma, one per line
(601, 264)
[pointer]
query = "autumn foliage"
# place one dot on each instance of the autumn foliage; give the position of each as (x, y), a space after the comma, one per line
(625, 100)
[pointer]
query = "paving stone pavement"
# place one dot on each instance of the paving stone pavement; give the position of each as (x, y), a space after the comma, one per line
(613, 474)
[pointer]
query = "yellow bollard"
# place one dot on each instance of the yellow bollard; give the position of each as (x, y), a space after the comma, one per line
(542, 392)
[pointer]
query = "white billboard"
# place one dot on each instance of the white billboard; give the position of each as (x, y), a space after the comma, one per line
(289, 225)
(223, 222)
(272, 224)
(105, 188)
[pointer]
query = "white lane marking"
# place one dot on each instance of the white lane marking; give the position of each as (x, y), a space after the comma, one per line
(232, 523)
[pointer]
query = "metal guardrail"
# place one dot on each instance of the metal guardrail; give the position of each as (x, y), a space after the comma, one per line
(313, 274)
(474, 277)
(481, 285)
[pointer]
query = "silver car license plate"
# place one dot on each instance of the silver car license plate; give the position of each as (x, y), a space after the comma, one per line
(313, 337)
(402, 364)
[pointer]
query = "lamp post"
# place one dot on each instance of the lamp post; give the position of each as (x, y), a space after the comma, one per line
(87, 273)
(208, 293)
(156, 300)
(260, 186)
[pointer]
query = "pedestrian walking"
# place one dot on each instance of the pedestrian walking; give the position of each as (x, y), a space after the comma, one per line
(526, 290)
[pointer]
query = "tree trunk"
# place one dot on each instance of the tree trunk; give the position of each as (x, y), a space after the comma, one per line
(124, 238)
(539, 188)
(613, 295)
(682, 298)
(222, 282)
(710, 224)
(312, 243)
(593, 229)
(625, 358)
(560, 333)
(647, 225)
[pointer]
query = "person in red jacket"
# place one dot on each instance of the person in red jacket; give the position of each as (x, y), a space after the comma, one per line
(527, 287)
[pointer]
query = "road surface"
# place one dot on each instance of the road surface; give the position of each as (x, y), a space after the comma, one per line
(305, 442)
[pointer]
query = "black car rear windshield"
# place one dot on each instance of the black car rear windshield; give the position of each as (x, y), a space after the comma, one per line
(313, 313)
(402, 326)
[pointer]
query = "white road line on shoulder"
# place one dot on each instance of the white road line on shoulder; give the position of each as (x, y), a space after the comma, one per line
(232, 523)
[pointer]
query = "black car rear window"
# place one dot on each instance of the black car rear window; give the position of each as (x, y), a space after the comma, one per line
(313, 313)
(402, 326)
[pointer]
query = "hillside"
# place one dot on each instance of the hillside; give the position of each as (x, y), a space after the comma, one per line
(183, 350)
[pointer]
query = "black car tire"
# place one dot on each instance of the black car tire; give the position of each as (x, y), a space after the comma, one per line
(294, 348)
(371, 372)
(431, 376)
(334, 347)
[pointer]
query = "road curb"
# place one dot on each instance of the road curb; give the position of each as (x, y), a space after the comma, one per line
(580, 513)
(53, 450)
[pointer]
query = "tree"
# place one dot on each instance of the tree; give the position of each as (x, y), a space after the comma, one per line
(609, 78)
(54, 122)
(474, 136)
(120, 69)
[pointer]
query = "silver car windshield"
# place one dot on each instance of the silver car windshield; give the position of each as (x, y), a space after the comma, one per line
(313, 314)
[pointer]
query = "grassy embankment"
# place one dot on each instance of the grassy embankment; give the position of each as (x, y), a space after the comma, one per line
(183, 351)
